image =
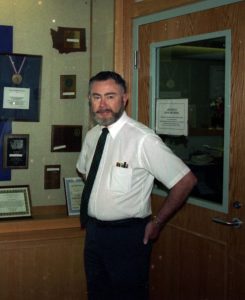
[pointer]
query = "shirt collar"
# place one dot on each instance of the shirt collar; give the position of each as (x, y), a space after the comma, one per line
(115, 127)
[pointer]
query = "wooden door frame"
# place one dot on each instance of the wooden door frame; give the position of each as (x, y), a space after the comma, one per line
(129, 15)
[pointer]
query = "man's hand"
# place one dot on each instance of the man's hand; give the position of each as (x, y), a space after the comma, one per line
(174, 201)
(152, 231)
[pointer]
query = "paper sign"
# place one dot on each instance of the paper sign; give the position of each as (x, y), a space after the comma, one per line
(172, 116)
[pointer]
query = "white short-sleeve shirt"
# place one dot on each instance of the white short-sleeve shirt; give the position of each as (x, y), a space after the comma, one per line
(133, 156)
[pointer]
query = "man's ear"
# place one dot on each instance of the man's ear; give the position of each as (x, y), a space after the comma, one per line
(125, 99)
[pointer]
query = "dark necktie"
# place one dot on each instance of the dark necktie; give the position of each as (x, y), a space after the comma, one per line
(91, 177)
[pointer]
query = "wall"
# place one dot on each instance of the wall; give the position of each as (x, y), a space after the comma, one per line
(102, 35)
(32, 21)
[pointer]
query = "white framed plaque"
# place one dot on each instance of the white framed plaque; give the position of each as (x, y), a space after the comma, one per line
(73, 191)
(15, 201)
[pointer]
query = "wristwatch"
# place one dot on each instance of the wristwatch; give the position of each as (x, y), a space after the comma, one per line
(156, 221)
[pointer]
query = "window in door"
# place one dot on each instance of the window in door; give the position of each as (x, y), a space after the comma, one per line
(191, 88)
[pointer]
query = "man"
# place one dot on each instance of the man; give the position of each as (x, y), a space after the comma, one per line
(119, 229)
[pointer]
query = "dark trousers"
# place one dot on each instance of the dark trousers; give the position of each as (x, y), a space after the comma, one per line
(116, 260)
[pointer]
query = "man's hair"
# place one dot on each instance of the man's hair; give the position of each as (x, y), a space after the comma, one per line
(106, 75)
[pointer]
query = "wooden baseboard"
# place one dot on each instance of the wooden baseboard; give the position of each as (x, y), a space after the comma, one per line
(49, 211)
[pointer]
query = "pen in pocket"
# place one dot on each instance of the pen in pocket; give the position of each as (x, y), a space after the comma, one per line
(122, 164)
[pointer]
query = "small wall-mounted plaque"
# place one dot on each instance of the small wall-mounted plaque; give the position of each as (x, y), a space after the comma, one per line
(67, 86)
(16, 151)
(52, 177)
(66, 138)
(67, 39)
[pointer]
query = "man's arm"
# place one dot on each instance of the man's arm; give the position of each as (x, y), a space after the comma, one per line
(174, 201)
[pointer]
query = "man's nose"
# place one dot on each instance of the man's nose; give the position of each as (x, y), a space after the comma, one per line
(103, 101)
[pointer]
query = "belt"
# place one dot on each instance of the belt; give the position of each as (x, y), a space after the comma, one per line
(119, 223)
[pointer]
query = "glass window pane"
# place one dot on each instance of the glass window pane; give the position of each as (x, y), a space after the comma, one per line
(195, 70)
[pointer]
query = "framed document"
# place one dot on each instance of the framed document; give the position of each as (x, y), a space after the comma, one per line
(73, 191)
(15, 202)
(16, 151)
(20, 78)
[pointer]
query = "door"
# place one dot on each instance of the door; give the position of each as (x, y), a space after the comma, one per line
(196, 258)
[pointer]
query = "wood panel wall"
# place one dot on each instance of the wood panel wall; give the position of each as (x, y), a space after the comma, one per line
(125, 12)
(42, 258)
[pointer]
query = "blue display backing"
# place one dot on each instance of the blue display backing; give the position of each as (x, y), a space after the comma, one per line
(6, 38)
(31, 73)
(6, 45)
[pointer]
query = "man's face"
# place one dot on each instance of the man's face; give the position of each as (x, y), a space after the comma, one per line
(107, 101)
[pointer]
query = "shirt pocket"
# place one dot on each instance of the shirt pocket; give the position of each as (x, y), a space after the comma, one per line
(121, 179)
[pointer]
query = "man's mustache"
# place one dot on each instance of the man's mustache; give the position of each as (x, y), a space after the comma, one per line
(102, 110)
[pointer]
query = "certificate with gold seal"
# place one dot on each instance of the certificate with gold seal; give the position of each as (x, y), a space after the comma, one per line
(73, 190)
(15, 202)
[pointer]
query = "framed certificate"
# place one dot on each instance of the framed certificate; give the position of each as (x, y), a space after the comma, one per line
(16, 151)
(73, 191)
(20, 79)
(15, 202)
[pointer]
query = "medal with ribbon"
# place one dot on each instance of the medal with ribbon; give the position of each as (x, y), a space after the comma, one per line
(17, 78)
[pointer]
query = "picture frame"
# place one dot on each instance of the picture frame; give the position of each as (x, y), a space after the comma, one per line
(15, 202)
(20, 81)
(16, 151)
(73, 192)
